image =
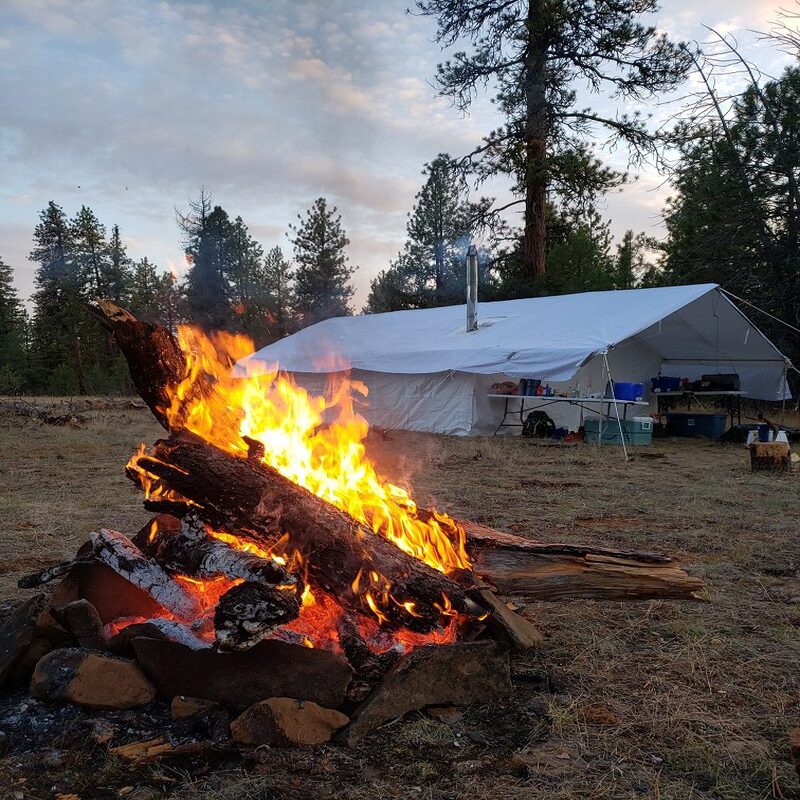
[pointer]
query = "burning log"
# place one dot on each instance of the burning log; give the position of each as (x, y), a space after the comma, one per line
(190, 550)
(342, 556)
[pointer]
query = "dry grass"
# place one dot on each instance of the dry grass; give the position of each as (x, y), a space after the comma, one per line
(659, 700)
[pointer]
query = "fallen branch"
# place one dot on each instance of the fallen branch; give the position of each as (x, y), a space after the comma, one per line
(542, 571)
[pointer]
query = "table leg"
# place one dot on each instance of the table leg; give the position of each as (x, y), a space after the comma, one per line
(502, 421)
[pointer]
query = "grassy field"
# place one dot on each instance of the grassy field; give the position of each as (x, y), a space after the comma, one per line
(658, 700)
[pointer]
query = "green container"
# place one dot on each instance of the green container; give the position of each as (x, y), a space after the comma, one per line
(638, 430)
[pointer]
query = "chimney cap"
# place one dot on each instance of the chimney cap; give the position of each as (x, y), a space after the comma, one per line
(472, 251)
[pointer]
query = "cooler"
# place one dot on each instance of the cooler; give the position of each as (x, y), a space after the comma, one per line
(638, 430)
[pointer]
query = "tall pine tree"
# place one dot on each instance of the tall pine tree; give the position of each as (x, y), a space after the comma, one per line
(322, 277)
(59, 320)
(535, 52)
(12, 334)
(277, 279)
(208, 231)
(430, 270)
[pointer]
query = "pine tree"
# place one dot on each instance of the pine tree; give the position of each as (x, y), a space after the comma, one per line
(734, 217)
(438, 230)
(59, 319)
(242, 262)
(322, 278)
(208, 231)
(119, 268)
(144, 288)
(277, 279)
(12, 334)
(90, 252)
(624, 269)
(534, 52)
(430, 271)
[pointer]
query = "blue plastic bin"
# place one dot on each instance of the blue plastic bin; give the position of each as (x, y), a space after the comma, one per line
(628, 391)
(696, 425)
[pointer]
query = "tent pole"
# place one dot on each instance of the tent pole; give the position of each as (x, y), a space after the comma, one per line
(785, 382)
(616, 408)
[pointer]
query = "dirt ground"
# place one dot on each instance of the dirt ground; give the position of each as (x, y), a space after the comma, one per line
(663, 700)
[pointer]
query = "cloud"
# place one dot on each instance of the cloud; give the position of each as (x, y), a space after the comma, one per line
(130, 105)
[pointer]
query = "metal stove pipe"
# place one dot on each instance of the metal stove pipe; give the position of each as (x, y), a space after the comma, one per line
(472, 288)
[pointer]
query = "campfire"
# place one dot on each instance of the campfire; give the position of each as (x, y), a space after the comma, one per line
(281, 575)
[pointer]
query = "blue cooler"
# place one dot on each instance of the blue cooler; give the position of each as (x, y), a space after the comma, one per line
(638, 430)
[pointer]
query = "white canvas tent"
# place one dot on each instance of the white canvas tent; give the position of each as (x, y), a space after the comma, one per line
(425, 372)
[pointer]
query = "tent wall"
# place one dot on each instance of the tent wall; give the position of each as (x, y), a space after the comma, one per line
(441, 402)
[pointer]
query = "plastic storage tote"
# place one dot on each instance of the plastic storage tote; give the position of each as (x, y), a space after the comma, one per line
(696, 425)
(628, 391)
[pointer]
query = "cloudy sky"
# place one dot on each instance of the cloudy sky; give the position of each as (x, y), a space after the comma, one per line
(129, 106)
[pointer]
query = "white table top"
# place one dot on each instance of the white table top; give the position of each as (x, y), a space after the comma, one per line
(554, 399)
(707, 392)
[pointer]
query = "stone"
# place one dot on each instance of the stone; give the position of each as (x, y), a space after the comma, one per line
(182, 707)
(91, 679)
(17, 631)
(23, 668)
(286, 722)
(269, 669)
(103, 731)
(434, 675)
(111, 594)
(599, 714)
(122, 642)
(80, 617)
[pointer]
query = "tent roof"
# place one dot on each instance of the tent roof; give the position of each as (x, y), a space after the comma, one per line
(551, 337)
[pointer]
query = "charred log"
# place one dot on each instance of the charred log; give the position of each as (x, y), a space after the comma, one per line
(192, 551)
(156, 362)
(368, 667)
(341, 555)
(49, 574)
(249, 611)
(123, 557)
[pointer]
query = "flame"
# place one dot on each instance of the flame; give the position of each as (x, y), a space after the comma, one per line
(314, 441)
(318, 443)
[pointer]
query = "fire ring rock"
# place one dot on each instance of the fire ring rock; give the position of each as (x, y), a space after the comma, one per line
(91, 679)
(286, 722)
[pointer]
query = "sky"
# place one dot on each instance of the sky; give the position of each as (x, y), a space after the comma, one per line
(130, 106)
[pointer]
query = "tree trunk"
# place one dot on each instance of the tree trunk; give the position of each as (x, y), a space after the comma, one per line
(534, 239)
(76, 352)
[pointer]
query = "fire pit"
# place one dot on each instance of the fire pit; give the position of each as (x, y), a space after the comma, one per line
(282, 578)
